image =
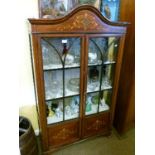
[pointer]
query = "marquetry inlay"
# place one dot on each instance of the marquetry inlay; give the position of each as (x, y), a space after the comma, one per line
(96, 125)
(64, 134)
(82, 21)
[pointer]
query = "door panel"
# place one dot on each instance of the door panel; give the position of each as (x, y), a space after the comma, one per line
(61, 57)
(96, 125)
(102, 57)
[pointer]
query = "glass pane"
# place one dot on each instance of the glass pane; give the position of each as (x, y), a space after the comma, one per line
(54, 111)
(53, 84)
(61, 65)
(95, 51)
(92, 103)
(72, 58)
(72, 81)
(105, 100)
(107, 76)
(72, 107)
(94, 76)
(110, 9)
(102, 56)
(51, 57)
(60, 52)
(110, 50)
(102, 49)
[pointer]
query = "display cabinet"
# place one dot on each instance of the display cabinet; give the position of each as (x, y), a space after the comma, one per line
(76, 61)
(110, 9)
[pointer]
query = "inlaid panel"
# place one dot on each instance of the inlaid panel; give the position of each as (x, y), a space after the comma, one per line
(63, 133)
(96, 125)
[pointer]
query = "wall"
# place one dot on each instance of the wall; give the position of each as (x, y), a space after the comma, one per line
(27, 9)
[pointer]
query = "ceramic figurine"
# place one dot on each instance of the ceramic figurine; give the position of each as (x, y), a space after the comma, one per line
(58, 112)
(69, 59)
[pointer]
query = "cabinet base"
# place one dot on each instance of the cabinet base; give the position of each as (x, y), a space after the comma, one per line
(51, 149)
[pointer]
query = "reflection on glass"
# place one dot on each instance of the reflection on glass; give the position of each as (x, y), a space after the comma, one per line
(54, 111)
(93, 83)
(72, 81)
(102, 50)
(111, 50)
(71, 107)
(105, 101)
(53, 84)
(107, 77)
(51, 58)
(92, 103)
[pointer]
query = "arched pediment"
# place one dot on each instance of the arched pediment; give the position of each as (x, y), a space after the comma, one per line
(82, 19)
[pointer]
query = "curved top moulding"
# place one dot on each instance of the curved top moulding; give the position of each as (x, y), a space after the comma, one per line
(83, 19)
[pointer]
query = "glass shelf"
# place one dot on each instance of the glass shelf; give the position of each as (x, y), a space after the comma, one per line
(59, 66)
(99, 63)
(109, 62)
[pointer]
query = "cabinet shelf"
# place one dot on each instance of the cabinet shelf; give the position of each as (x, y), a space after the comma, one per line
(52, 99)
(109, 62)
(59, 67)
(100, 64)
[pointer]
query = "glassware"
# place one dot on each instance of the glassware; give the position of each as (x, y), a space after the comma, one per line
(71, 107)
(72, 81)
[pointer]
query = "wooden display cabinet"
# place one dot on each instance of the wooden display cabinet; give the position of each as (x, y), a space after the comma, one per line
(77, 61)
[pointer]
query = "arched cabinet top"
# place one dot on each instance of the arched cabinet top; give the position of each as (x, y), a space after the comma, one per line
(83, 19)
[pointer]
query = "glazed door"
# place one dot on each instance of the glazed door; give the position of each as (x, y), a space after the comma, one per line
(100, 68)
(62, 73)
(61, 69)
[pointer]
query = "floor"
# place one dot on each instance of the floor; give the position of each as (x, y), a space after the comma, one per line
(112, 145)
